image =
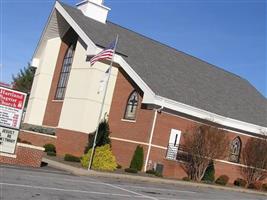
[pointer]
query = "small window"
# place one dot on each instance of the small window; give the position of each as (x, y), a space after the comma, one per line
(235, 148)
(64, 74)
(131, 108)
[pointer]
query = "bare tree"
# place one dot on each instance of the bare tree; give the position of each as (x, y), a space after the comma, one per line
(203, 144)
(254, 156)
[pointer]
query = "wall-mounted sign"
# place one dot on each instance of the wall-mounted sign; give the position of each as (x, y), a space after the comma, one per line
(8, 140)
(11, 107)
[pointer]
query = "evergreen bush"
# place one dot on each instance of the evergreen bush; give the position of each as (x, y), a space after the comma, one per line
(222, 180)
(102, 136)
(138, 158)
(209, 175)
(103, 159)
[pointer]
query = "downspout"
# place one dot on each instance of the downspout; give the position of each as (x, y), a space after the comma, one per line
(151, 136)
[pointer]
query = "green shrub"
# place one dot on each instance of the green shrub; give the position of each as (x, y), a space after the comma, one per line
(131, 170)
(209, 175)
(240, 182)
(186, 179)
(50, 148)
(222, 180)
(71, 158)
(264, 187)
(103, 159)
(49, 153)
(138, 159)
(102, 136)
(256, 185)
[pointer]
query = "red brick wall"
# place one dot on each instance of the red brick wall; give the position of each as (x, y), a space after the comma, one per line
(36, 139)
(26, 156)
(138, 130)
(53, 108)
(71, 142)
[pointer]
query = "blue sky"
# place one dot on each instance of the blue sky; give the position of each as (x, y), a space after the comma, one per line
(228, 34)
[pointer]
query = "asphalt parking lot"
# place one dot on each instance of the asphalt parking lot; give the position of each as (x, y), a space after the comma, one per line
(51, 184)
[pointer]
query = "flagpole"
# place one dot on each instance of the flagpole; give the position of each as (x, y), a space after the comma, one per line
(102, 106)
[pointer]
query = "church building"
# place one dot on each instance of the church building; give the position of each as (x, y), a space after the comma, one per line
(155, 93)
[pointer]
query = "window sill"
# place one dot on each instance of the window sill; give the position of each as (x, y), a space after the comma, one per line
(128, 120)
(54, 100)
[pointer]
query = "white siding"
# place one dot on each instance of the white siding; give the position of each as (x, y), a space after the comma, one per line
(42, 82)
(81, 105)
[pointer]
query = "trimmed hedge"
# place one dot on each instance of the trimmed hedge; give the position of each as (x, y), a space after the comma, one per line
(71, 158)
(131, 170)
(240, 182)
(138, 158)
(222, 180)
(50, 148)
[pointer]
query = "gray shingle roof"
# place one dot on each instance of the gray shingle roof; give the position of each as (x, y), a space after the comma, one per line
(178, 76)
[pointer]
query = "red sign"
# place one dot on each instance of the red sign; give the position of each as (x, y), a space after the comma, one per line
(11, 98)
(11, 107)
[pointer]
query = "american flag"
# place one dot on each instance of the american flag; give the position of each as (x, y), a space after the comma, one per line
(106, 54)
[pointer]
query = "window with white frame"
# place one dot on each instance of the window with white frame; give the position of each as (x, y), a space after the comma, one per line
(131, 108)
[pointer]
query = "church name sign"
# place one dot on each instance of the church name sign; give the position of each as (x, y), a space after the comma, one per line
(11, 107)
(11, 111)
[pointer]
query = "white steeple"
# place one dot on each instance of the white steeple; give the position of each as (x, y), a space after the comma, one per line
(94, 9)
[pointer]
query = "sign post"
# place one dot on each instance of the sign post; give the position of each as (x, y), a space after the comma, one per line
(11, 111)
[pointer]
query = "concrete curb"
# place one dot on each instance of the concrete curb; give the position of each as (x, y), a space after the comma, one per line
(83, 172)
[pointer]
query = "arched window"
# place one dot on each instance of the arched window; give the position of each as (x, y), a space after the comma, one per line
(64, 74)
(132, 103)
(235, 149)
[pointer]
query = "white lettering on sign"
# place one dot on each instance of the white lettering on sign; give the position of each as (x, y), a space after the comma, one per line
(11, 107)
(8, 140)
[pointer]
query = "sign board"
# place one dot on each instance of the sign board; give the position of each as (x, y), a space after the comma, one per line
(11, 107)
(8, 140)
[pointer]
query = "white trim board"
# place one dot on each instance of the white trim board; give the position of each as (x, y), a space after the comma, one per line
(30, 146)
